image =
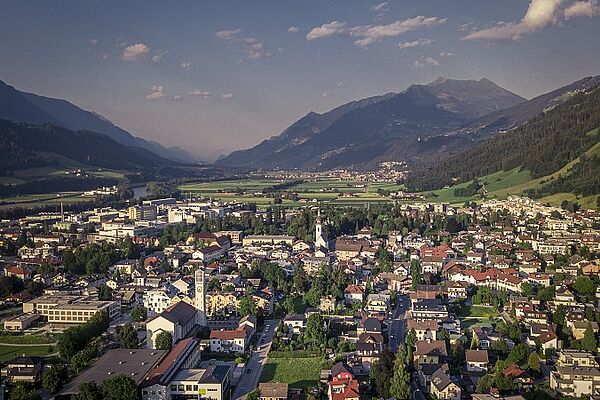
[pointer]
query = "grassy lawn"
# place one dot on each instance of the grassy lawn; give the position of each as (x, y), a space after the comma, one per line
(297, 372)
(26, 339)
(10, 352)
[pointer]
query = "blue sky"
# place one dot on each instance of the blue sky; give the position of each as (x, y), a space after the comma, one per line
(212, 77)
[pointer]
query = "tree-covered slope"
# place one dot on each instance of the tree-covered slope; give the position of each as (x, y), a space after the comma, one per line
(542, 146)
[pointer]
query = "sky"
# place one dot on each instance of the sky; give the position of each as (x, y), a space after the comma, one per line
(213, 77)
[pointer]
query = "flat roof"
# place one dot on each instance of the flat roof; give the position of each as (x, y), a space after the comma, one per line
(134, 363)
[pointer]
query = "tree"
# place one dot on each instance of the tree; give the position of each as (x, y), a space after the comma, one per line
(584, 286)
(415, 272)
(54, 378)
(518, 354)
(104, 293)
(128, 337)
(411, 338)
(589, 342)
(381, 374)
(485, 383)
(315, 334)
(139, 313)
(88, 391)
(400, 382)
(526, 288)
(120, 387)
(22, 391)
(533, 363)
(164, 341)
(247, 306)
(253, 395)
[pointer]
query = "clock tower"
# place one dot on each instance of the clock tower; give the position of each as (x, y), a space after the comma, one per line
(200, 297)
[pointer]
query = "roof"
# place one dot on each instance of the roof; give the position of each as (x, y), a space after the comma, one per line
(435, 347)
(478, 356)
(172, 359)
(339, 368)
(134, 363)
(277, 390)
(180, 313)
(228, 335)
(440, 380)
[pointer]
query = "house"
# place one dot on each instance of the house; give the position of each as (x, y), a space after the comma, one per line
(545, 334)
(353, 294)
(430, 352)
(343, 390)
(178, 320)
(22, 369)
(424, 329)
(328, 304)
(516, 374)
(442, 387)
(224, 341)
(429, 309)
(477, 360)
(341, 371)
(576, 358)
(378, 304)
(295, 323)
(22, 273)
(273, 391)
(578, 328)
(575, 381)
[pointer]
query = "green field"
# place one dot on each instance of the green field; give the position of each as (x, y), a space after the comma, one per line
(323, 190)
(476, 315)
(10, 352)
(26, 339)
(297, 372)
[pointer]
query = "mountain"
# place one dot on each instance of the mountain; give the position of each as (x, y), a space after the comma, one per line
(396, 126)
(511, 117)
(27, 107)
(558, 151)
(24, 145)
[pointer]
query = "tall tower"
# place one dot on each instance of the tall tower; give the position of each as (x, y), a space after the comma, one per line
(200, 297)
(320, 238)
(318, 226)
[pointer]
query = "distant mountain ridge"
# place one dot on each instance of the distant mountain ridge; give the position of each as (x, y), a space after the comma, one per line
(389, 127)
(28, 107)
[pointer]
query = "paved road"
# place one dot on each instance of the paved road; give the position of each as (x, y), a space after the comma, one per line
(397, 328)
(249, 381)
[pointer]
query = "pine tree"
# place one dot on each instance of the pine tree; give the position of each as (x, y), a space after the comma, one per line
(400, 383)
(589, 342)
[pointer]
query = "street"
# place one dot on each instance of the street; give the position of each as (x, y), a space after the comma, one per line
(397, 327)
(249, 381)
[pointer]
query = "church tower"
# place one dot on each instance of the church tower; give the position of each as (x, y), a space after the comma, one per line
(320, 237)
(200, 297)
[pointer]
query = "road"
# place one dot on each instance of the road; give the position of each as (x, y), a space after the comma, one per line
(397, 327)
(249, 381)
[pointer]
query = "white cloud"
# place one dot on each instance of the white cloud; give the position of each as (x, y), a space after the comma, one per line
(186, 65)
(423, 62)
(135, 52)
(540, 14)
(200, 92)
(415, 43)
(369, 34)
(93, 41)
(227, 95)
(293, 29)
(158, 92)
(381, 7)
(325, 30)
(254, 48)
(582, 9)
(446, 54)
(227, 35)
(157, 56)
(177, 97)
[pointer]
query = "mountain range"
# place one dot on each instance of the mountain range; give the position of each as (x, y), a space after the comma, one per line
(422, 123)
(20, 106)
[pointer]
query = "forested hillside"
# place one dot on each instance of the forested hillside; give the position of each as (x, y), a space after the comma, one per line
(542, 146)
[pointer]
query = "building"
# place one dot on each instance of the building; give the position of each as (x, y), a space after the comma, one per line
(273, 391)
(143, 213)
(576, 358)
(442, 387)
(477, 360)
(268, 240)
(575, 381)
(134, 363)
(224, 341)
(20, 322)
(61, 309)
(178, 320)
(295, 323)
(429, 309)
(22, 369)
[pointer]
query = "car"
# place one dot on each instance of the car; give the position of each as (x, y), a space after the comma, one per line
(248, 370)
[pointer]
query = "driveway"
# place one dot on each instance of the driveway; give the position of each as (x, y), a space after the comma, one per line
(249, 381)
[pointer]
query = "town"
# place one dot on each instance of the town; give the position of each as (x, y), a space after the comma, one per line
(182, 299)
